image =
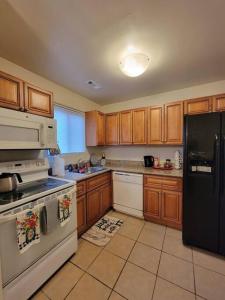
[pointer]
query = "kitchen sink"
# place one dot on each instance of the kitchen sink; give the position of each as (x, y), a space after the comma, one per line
(95, 169)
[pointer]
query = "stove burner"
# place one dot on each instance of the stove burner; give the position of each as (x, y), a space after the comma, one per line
(10, 197)
(31, 189)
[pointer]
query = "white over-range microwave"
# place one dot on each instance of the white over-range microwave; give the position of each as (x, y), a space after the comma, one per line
(20, 130)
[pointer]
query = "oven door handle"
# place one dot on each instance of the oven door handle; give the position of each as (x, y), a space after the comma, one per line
(11, 217)
(8, 218)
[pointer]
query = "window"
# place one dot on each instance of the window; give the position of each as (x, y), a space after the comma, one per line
(70, 130)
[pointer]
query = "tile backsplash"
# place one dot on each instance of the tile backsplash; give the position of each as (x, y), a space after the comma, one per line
(136, 153)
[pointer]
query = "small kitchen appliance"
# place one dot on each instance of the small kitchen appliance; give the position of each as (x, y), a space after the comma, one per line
(8, 182)
(22, 274)
(149, 161)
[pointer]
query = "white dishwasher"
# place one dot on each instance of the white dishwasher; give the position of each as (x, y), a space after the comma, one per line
(128, 193)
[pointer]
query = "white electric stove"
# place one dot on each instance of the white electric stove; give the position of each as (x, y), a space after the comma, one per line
(23, 274)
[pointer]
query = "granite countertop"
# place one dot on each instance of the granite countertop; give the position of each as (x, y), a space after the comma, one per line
(131, 169)
(78, 177)
(147, 171)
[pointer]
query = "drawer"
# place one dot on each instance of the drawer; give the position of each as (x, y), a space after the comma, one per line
(81, 188)
(172, 184)
(98, 180)
(152, 181)
(163, 182)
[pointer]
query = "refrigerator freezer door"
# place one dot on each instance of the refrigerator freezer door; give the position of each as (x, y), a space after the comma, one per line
(201, 181)
(222, 188)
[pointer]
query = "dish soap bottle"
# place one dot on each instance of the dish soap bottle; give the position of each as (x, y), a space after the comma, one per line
(103, 160)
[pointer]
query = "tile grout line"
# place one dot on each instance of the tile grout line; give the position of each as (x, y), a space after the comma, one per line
(85, 272)
(159, 264)
(126, 260)
(194, 273)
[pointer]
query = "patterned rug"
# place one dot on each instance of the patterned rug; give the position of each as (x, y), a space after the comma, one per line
(101, 232)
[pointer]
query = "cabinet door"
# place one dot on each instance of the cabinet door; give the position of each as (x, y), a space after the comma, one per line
(106, 198)
(198, 106)
(155, 125)
(126, 127)
(152, 203)
(38, 101)
(219, 103)
(171, 208)
(95, 128)
(100, 128)
(140, 126)
(11, 92)
(173, 125)
(81, 214)
(93, 206)
(112, 129)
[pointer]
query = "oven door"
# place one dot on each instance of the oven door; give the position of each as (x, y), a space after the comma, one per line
(21, 134)
(12, 262)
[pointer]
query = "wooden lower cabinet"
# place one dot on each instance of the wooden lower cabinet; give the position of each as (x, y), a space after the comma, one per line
(171, 208)
(93, 206)
(106, 198)
(81, 214)
(152, 203)
(94, 199)
(163, 200)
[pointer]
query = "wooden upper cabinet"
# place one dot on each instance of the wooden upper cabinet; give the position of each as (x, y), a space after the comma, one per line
(155, 125)
(95, 128)
(38, 101)
(198, 106)
(11, 92)
(140, 126)
(219, 103)
(126, 127)
(173, 125)
(112, 129)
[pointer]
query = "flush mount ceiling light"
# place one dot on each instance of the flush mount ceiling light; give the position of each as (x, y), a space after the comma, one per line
(134, 64)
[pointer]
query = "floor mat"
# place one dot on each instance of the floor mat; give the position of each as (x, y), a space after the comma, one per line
(101, 232)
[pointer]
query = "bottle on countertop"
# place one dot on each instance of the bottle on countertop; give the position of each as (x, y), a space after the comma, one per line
(103, 160)
(178, 160)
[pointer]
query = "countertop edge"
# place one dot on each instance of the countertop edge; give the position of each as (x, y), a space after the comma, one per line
(169, 173)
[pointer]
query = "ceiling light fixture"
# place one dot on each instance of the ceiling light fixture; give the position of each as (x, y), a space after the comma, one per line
(134, 64)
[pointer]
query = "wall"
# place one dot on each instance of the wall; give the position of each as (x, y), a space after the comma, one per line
(137, 153)
(202, 90)
(61, 95)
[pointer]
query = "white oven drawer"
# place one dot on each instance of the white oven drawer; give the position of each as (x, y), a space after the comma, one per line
(12, 262)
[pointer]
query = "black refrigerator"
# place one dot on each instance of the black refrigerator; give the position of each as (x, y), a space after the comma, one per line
(204, 182)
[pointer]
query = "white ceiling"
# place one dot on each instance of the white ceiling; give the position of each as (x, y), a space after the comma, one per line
(71, 42)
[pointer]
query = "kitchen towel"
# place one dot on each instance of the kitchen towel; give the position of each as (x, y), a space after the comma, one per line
(28, 228)
(65, 208)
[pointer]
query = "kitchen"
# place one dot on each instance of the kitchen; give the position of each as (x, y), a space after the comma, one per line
(112, 142)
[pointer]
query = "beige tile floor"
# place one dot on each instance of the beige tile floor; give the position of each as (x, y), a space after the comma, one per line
(143, 261)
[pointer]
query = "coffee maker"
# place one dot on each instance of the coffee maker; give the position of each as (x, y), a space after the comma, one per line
(149, 161)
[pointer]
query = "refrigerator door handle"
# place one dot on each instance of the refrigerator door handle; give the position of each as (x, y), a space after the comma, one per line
(222, 163)
(217, 163)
